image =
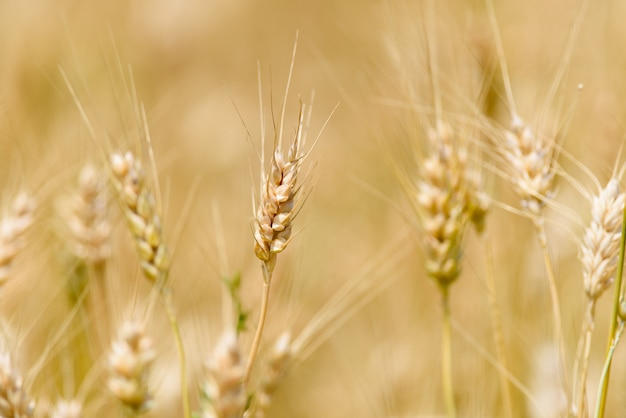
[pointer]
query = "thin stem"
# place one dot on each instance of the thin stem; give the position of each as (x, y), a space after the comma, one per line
(100, 301)
(580, 391)
(130, 412)
(604, 379)
(554, 295)
(498, 335)
(256, 342)
(604, 383)
(171, 316)
(83, 343)
(446, 360)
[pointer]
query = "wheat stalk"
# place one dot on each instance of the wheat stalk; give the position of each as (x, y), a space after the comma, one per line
(531, 155)
(274, 216)
(531, 158)
(447, 199)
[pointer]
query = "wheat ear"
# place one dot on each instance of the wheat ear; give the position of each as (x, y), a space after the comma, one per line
(129, 365)
(87, 218)
(223, 392)
(531, 158)
(139, 206)
(13, 226)
(446, 200)
(599, 250)
(67, 409)
(14, 402)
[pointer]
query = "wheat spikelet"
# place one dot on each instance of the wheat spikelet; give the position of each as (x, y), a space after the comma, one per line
(87, 218)
(129, 364)
(12, 229)
(223, 392)
(531, 158)
(276, 368)
(14, 402)
(599, 249)
(139, 208)
(67, 409)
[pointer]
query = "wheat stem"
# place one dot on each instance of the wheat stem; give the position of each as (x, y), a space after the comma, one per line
(588, 327)
(268, 269)
(496, 322)
(554, 295)
(180, 348)
(275, 368)
(100, 299)
(604, 378)
(614, 333)
(446, 360)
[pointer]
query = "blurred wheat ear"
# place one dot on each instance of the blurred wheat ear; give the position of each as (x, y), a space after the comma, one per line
(67, 409)
(275, 369)
(13, 227)
(14, 401)
(223, 393)
(130, 359)
(144, 222)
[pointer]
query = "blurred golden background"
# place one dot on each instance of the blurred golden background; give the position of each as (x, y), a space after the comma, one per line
(196, 67)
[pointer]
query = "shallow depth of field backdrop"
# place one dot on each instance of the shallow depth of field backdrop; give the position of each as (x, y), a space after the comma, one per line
(193, 65)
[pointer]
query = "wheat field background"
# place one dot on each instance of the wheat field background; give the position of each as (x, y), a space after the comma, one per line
(196, 67)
